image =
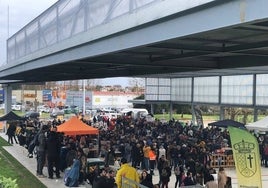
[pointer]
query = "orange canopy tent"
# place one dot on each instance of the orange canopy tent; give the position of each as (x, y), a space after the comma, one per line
(74, 126)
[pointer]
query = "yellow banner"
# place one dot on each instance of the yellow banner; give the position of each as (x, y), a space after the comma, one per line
(247, 158)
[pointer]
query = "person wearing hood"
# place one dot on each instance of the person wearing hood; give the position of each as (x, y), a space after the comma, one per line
(71, 176)
(53, 153)
(41, 148)
(126, 171)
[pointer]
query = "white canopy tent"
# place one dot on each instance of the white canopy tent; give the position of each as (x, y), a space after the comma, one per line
(261, 125)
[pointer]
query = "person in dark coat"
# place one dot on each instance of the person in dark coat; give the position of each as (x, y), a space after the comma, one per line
(102, 180)
(189, 180)
(137, 155)
(109, 159)
(111, 178)
(191, 166)
(148, 181)
(41, 151)
(11, 133)
(53, 153)
(179, 170)
(160, 167)
(165, 175)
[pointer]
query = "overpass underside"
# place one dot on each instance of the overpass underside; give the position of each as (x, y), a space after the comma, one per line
(149, 38)
(181, 44)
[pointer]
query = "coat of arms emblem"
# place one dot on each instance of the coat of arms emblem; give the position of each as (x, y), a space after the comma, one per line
(245, 158)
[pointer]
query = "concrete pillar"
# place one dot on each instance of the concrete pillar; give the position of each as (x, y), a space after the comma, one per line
(152, 109)
(222, 113)
(254, 98)
(8, 97)
(170, 110)
(192, 101)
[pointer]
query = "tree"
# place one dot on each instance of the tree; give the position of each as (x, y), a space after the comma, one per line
(98, 87)
(146, 106)
(231, 112)
(182, 108)
(50, 85)
(135, 81)
(91, 84)
(137, 84)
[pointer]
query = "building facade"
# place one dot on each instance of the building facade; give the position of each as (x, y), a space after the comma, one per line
(93, 99)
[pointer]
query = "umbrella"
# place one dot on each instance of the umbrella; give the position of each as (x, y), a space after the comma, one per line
(227, 122)
(261, 125)
(11, 116)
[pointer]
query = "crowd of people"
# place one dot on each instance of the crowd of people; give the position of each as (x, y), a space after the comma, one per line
(146, 149)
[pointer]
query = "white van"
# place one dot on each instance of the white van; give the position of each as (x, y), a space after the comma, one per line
(111, 114)
(136, 113)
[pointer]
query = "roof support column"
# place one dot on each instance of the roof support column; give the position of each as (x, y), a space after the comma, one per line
(170, 110)
(255, 111)
(192, 100)
(170, 102)
(220, 96)
(152, 108)
(8, 97)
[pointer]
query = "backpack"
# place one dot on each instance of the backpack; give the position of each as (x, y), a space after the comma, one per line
(177, 171)
(71, 175)
(36, 141)
(66, 178)
(31, 147)
(164, 173)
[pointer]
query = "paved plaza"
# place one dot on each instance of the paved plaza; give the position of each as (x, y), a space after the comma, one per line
(20, 153)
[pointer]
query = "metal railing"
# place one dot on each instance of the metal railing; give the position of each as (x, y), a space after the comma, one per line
(128, 183)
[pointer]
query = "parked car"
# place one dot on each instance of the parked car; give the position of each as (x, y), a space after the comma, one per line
(16, 107)
(74, 109)
(56, 112)
(67, 110)
(43, 108)
(135, 113)
(32, 115)
(2, 106)
(91, 112)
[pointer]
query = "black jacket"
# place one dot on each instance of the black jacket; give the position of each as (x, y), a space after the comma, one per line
(53, 144)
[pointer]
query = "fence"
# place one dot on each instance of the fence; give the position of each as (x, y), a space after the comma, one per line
(220, 160)
(128, 183)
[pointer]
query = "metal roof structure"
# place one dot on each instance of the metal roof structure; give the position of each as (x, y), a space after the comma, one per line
(216, 38)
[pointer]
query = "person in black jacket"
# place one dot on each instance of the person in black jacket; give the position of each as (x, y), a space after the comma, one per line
(148, 181)
(189, 180)
(53, 153)
(179, 170)
(165, 175)
(11, 133)
(41, 148)
(102, 180)
(160, 167)
(137, 155)
(111, 178)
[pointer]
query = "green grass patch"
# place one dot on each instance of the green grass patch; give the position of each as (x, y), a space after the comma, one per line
(185, 117)
(11, 168)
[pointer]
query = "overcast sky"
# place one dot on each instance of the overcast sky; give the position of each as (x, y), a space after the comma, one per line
(20, 13)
